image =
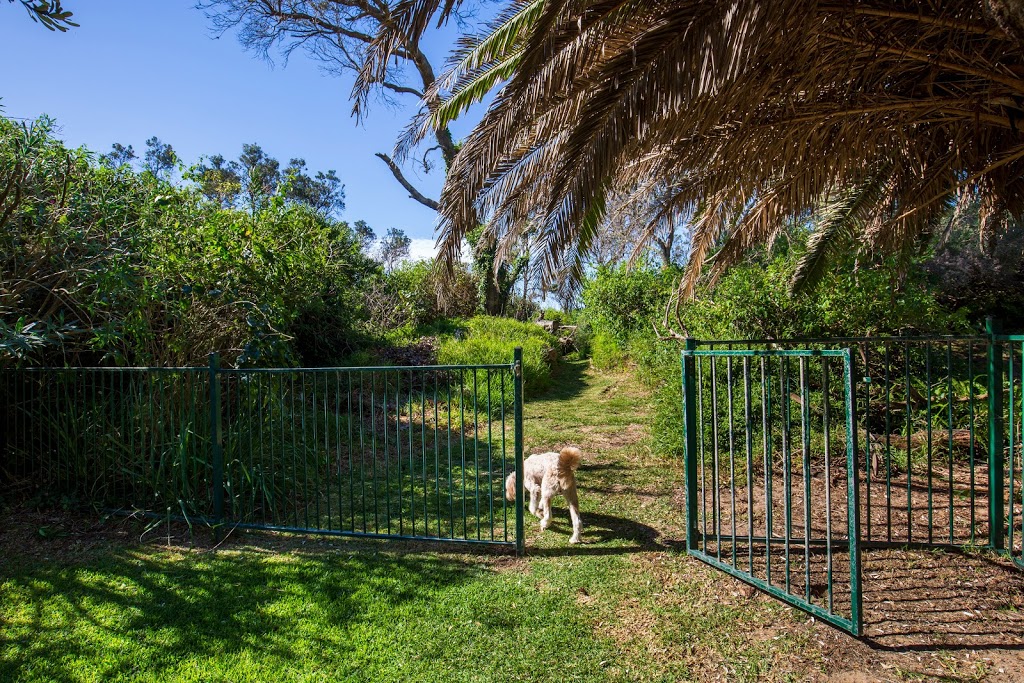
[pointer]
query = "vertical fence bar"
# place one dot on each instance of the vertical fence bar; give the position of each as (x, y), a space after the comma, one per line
(517, 368)
(995, 436)
(853, 496)
(690, 444)
(216, 443)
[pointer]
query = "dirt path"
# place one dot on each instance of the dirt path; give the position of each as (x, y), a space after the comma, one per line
(928, 615)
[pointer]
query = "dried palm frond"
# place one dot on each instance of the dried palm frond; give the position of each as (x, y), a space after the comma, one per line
(873, 116)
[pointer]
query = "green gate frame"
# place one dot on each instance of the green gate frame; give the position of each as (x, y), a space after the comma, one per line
(854, 624)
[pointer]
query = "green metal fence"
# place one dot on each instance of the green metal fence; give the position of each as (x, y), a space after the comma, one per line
(937, 428)
(391, 452)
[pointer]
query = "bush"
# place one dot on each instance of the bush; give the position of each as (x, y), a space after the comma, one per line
(491, 341)
(414, 295)
(752, 300)
(129, 269)
(605, 351)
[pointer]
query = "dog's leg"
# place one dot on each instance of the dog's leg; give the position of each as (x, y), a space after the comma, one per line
(534, 491)
(574, 513)
(547, 492)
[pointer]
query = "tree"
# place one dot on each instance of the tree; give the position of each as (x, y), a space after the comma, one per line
(255, 177)
(874, 117)
(394, 248)
(323, 192)
(338, 34)
(364, 235)
(160, 158)
(219, 180)
(119, 155)
(259, 174)
(49, 13)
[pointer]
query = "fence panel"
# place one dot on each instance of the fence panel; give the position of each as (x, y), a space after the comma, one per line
(923, 409)
(413, 452)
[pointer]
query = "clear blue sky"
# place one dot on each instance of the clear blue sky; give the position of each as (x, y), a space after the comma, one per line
(137, 68)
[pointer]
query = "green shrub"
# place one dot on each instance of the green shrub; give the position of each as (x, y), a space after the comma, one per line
(605, 351)
(491, 341)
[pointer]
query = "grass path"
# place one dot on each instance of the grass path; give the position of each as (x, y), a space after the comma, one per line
(81, 603)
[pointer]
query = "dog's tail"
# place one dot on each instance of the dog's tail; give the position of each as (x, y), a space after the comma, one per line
(569, 457)
(510, 488)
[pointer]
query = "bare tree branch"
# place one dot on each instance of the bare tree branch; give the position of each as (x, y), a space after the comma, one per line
(400, 177)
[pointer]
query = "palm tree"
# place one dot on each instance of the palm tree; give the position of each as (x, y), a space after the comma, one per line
(875, 117)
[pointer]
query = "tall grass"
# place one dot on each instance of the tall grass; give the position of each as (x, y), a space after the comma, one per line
(487, 340)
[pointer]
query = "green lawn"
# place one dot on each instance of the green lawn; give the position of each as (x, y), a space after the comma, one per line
(94, 604)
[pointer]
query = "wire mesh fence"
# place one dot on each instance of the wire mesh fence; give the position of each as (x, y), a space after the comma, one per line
(410, 452)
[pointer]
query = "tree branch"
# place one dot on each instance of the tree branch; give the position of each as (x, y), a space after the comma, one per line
(400, 177)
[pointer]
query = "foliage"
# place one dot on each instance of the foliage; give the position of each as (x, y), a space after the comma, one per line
(415, 295)
(104, 264)
(603, 97)
(393, 248)
(50, 13)
(491, 341)
(753, 301)
(621, 301)
(982, 284)
(255, 177)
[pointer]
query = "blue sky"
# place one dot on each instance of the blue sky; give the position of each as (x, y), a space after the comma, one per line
(137, 68)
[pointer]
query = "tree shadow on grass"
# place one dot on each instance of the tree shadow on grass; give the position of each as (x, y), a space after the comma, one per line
(567, 382)
(132, 611)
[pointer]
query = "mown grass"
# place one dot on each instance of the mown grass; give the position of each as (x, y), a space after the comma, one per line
(626, 605)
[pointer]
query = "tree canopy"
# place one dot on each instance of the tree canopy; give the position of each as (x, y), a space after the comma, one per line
(876, 117)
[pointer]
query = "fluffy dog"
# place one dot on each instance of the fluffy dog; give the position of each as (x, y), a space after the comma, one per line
(545, 476)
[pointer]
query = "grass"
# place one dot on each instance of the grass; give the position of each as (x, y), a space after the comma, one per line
(81, 604)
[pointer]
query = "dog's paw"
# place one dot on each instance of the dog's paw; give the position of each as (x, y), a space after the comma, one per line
(575, 539)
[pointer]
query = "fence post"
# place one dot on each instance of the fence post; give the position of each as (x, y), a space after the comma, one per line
(996, 456)
(690, 442)
(517, 383)
(216, 444)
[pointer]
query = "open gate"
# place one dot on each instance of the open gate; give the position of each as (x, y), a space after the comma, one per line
(772, 475)
(801, 453)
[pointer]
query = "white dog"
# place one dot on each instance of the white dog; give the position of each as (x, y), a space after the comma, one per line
(546, 475)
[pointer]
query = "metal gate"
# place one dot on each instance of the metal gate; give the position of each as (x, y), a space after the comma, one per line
(932, 430)
(772, 476)
(385, 452)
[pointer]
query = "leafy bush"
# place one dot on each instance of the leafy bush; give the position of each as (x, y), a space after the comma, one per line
(100, 264)
(415, 295)
(752, 300)
(488, 340)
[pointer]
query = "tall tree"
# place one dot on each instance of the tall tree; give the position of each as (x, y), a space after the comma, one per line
(323, 192)
(160, 158)
(394, 248)
(119, 155)
(259, 174)
(338, 34)
(219, 180)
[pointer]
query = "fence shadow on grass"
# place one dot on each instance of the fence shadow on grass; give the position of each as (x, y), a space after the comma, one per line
(920, 600)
